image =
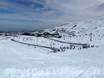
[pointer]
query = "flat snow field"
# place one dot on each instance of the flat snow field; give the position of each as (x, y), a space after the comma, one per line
(22, 61)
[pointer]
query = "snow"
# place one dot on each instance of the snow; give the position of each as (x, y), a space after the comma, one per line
(24, 61)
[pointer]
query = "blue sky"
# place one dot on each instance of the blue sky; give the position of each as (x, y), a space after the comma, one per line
(21, 15)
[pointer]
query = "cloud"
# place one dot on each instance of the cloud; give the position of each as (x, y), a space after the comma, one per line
(47, 12)
(52, 8)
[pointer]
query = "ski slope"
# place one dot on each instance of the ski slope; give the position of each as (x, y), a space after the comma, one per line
(19, 60)
(22, 61)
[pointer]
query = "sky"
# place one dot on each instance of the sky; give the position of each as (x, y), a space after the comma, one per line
(28, 15)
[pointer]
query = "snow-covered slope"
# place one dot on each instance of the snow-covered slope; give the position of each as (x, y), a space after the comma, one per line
(22, 61)
(90, 31)
(33, 57)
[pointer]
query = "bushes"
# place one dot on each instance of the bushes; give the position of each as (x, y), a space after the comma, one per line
(28, 34)
(47, 34)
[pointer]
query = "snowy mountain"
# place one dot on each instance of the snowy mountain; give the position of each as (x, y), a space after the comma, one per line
(88, 31)
(71, 50)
